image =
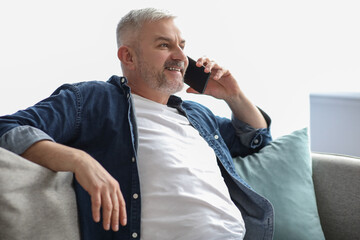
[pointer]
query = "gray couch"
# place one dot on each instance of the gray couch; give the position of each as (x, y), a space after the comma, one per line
(36, 203)
(337, 188)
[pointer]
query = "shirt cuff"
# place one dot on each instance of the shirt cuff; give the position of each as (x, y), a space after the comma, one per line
(250, 136)
(18, 139)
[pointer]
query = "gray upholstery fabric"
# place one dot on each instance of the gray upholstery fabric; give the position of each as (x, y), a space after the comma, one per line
(337, 186)
(35, 203)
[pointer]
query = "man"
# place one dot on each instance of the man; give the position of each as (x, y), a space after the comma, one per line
(142, 158)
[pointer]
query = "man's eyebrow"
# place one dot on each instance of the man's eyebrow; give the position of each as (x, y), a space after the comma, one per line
(162, 38)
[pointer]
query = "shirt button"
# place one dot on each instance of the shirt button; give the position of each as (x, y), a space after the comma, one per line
(122, 80)
(135, 196)
(216, 137)
(134, 235)
(128, 95)
(256, 141)
(133, 159)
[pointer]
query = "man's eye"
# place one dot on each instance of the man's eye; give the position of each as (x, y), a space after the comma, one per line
(165, 45)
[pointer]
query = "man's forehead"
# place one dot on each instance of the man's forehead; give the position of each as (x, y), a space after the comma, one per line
(163, 30)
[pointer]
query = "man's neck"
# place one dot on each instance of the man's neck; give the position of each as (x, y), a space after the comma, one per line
(149, 93)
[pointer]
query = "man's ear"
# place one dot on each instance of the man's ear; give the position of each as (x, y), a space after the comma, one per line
(126, 56)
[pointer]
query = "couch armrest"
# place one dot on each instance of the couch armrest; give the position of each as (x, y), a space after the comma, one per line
(35, 202)
(337, 187)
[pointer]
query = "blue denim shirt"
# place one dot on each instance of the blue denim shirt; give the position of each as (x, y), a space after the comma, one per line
(98, 117)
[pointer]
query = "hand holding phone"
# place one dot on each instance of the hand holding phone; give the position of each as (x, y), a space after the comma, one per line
(196, 77)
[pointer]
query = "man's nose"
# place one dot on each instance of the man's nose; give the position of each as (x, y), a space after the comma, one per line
(179, 54)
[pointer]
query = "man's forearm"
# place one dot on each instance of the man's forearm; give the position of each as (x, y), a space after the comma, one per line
(54, 156)
(245, 111)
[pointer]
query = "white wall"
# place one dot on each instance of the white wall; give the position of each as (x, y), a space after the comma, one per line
(278, 50)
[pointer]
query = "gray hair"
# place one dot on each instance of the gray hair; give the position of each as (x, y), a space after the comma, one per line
(133, 21)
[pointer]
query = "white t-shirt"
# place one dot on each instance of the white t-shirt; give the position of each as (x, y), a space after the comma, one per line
(183, 195)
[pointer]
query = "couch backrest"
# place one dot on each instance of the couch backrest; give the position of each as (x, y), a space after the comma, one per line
(337, 187)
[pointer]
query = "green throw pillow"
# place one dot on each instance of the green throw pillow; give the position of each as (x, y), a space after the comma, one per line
(282, 172)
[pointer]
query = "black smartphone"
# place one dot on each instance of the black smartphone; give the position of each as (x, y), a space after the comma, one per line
(195, 76)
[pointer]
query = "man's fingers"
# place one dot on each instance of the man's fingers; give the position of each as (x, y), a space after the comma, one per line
(107, 208)
(113, 208)
(217, 71)
(115, 212)
(122, 208)
(95, 206)
(206, 62)
(211, 65)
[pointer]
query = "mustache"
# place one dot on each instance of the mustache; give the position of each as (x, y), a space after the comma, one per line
(171, 63)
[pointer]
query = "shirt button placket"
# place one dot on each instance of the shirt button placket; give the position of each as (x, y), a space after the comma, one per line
(135, 196)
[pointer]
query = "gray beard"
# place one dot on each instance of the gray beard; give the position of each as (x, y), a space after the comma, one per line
(158, 80)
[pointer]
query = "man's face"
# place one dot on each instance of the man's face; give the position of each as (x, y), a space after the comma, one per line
(161, 61)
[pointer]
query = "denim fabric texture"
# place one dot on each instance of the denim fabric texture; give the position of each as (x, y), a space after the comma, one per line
(98, 117)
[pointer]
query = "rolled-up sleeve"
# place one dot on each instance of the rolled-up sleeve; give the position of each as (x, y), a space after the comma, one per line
(20, 138)
(56, 118)
(251, 137)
